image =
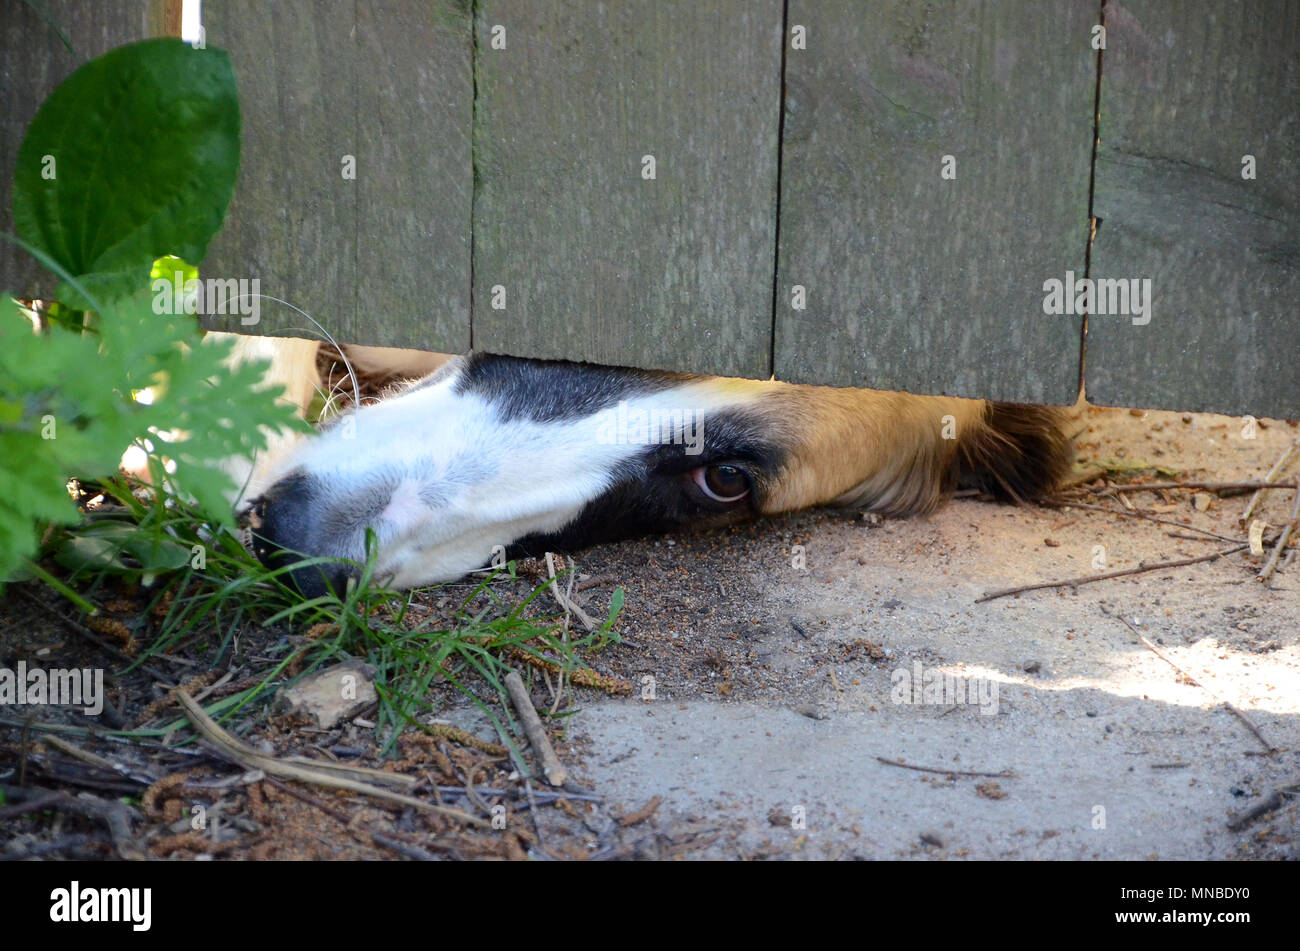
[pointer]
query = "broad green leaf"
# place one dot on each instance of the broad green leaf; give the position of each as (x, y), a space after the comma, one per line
(133, 157)
(121, 548)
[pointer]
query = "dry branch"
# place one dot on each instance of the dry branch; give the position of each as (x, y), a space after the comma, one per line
(552, 768)
(1088, 579)
(332, 775)
(1192, 680)
(1005, 774)
(1271, 565)
(1159, 486)
(1277, 468)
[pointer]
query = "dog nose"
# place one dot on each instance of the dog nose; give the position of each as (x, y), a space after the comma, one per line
(285, 530)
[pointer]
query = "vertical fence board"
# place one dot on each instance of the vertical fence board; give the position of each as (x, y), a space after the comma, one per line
(382, 258)
(598, 263)
(292, 223)
(415, 111)
(33, 61)
(914, 282)
(1187, 91)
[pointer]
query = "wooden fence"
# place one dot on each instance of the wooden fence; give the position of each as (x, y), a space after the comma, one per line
(853, 192)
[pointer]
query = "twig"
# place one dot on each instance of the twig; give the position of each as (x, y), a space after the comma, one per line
(532, 812)
(94, 759)
(1088, 579)
(565, 602)
(558, 693)
(76, 752)
(37, 804)
(402, 848)
(1158, 486)
(319, 773)
(1271, 803)
(1005, 774)
(116, 816)
(1277, 467)
(1271, 565)
(552, 768)
(543, 798)
(1192, 680)
(1061, 503)
(309, 800)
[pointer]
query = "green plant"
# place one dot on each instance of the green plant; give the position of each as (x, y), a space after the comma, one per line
(132, 158)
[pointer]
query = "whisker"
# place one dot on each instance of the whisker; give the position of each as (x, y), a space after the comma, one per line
(356, 384)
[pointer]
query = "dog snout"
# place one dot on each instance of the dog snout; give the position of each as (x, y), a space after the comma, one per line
(284, 526)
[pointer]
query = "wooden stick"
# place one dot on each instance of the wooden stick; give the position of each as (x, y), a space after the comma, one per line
(117, 816)
(1271, 565)
(36, 804)
(1005, 774)
(1270, 804)
(247, 756)
(1157, 486)
(543, 798)
(564, 601)
(1088, 579)
(1232, 709)
(1277, 467)
(552, 768)
(1063, 503)
(408, 849)
(310, 800)
(94, 759)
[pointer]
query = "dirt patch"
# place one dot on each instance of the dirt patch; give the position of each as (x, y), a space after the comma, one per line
(774, 711)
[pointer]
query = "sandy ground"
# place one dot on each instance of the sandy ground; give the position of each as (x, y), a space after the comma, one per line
(774, 708)
(769, 721)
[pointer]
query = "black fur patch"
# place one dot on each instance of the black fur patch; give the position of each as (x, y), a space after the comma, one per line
(548, 391)
(654, 493)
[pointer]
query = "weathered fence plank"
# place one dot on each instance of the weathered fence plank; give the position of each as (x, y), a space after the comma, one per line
(528, 154)
(414, 120)
(292, 222)
(596, 261)
(913, 281)
(1188, 91)
(33, 61)
(353, 200)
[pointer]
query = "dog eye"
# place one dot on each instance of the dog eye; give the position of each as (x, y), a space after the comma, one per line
(723, 483)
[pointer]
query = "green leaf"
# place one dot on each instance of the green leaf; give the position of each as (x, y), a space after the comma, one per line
(121, 548)
(133, 157)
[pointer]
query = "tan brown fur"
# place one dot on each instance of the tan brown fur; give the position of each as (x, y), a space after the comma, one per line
(885, 452)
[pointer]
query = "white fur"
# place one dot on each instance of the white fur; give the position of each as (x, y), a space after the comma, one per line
(496, 480)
